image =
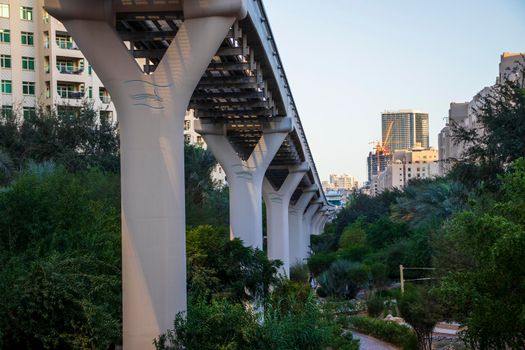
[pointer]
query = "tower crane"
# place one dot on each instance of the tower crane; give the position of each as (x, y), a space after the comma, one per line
(381, 147)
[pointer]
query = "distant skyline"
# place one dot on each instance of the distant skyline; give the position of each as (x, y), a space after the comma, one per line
(349, 60)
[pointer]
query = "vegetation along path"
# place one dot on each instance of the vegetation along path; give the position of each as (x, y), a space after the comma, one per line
(368, 343)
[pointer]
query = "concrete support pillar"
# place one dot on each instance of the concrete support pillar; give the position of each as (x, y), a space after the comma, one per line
(316, 221)
(151, 112)
(323, 222)
(245, 177)
(307, 228)
(295, 224)
(277, 203)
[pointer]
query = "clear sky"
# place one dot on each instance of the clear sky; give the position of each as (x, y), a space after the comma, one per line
(349, 60)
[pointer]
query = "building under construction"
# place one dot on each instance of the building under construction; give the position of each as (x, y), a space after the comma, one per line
(376, 163)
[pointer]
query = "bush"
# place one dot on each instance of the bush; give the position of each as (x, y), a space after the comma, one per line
(292, 320)
(343, 279)
(375, 306)
(218, 266)
(388, 331)
(320, 262)
(355, 252)
(299, 273)
(219, 325)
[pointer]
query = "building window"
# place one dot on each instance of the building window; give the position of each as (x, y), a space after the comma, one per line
(48, 89)
(7, 111)
(28, 63)
(5, 36)
(45, 17)
(7, 86)
(90, 92)
(28, 88)
(46, 40)
(26, 13)
(90, 70)
(27, 38)
(4, 10)
(187, 138)
(65, 42)
(29, 112)
(5, 61)
(186, 125)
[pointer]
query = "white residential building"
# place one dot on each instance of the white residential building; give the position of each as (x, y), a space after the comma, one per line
(41, 64)
(192, 137)
(406, 165)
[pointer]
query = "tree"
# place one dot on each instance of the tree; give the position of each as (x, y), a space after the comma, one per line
(499, 136)
(481, 260)
(60, 260)
(218, 266)
(426, 204)
(420, 309)
(6, 168)
(75, 138)
(343, 279)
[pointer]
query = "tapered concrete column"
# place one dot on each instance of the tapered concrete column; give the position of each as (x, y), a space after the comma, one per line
(307, 228)
(316, 221)
(277, 203)
(245, 177)
(295, 224)
(151, 111)
(322, 224)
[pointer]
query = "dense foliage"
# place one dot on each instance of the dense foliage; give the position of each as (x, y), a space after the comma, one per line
(390, 332)
(60, 258)
(469, 226)
(289, 318)
(76, 138)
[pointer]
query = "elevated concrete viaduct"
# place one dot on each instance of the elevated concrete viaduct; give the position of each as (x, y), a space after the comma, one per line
(157, 58)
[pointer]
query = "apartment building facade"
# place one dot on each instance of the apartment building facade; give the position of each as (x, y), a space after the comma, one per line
(405, 129)
(41, 66)
(407, 165)
(465, 114)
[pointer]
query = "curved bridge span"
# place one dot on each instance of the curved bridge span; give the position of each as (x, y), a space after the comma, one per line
(157, 58)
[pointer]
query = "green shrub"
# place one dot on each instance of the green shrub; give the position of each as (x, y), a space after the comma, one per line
(375, 306)
(320, 262)
(343, 279)
(388, 331)
(291, 320)
(355, 252)
(218, 266)
(219, 325)
(299, 273)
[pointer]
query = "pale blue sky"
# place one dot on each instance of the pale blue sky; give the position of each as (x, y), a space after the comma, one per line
(348, 60)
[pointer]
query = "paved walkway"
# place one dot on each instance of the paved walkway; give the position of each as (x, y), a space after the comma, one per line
(369, 343)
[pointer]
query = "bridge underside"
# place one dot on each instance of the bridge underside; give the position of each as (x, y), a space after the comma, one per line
(238, 89)
(229, 72)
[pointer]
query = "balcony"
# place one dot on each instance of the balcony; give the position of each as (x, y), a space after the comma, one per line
(70, 70)
(71, 95)
(70, 91)
(65, 41)
(67, 45)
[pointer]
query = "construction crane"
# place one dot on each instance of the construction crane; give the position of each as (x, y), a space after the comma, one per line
(381, 147)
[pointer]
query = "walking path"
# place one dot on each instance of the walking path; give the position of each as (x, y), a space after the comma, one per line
(369, 343)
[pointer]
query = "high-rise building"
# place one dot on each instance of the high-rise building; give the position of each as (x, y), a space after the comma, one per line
(465, 114)
(408, 128)
(40, 64)
(373, 160)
